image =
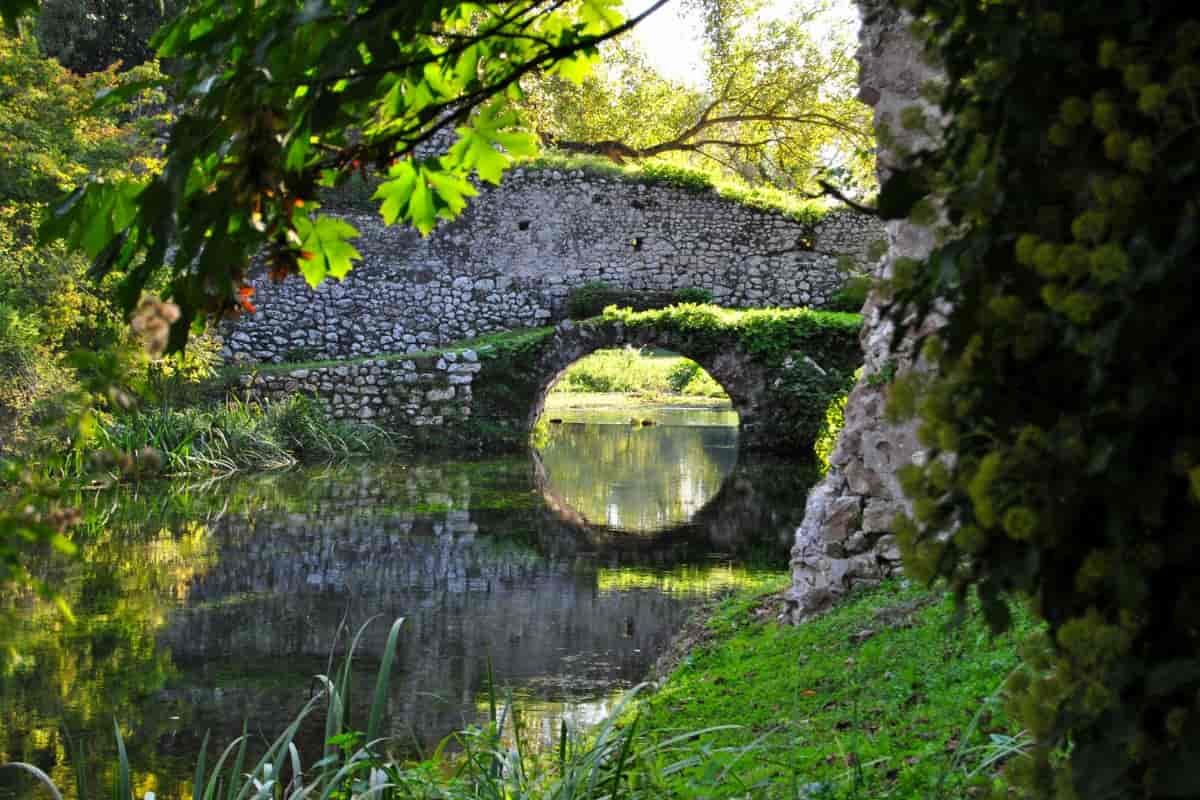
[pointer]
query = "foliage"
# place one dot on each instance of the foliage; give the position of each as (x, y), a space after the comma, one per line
(284, 99)
(812, 354)
(835, 420)
(693, 294)
(235, 436)
(588, 300)
(655, 173)
(884, 697)
(851, 297)
(52, 138)
(1061, 420)
(772, 106)
(92, 35)
(773, 334)
(633, 371)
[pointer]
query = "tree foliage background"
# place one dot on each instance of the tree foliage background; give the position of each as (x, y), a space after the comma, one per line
(776, 102)
(92, 35)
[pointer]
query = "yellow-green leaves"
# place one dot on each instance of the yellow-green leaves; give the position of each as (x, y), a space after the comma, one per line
(325, 249)
(491, 144)
(600, 15)
(419, 195)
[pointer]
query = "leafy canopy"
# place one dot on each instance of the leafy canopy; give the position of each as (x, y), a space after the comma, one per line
(280, 99)
(775, 104)
(1064, 443)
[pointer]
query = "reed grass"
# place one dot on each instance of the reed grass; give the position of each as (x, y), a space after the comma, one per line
(613, 761)
(237, 435)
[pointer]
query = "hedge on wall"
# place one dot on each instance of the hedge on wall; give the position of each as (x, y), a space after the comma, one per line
(1064, 419)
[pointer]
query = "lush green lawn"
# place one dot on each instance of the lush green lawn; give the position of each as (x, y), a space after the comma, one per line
(885, 697)
(649, 374)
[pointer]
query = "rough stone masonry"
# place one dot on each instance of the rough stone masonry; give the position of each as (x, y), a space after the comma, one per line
(846, 537)
(513, 257)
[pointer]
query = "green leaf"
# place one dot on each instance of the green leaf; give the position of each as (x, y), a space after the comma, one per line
(600, 16)
(396, 193)
(474, 150)
(13, 10)
(422, 212)
(325, 248)
(520, 145)
(575, 68)
(453, 191)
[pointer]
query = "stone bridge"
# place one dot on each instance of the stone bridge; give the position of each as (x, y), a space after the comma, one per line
(519, 251)
(780, 368)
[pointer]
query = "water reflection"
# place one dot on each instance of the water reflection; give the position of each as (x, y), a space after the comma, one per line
(198, 608)
(645, 474)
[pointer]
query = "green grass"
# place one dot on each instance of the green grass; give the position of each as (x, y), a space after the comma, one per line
(645, 374)
(655, 172)
(884, 697)
(231, 437)
(355, 194)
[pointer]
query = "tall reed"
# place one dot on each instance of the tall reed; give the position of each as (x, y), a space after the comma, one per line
(614, 761)
(238, 435)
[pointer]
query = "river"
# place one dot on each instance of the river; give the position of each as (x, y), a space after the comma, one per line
(205, 606)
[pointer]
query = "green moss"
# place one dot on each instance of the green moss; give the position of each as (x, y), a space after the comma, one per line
(655, 173)
(884, 697)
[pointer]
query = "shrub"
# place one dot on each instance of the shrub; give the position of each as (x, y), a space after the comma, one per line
(1061, 426)
(851, 297)
(693, 294)
(588, 300)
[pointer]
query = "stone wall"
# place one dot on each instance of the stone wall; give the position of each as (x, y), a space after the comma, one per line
(493, 396)
(846, 537)
(513, 257)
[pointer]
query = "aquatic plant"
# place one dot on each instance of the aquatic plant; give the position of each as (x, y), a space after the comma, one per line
(496, 760)
(234, 436)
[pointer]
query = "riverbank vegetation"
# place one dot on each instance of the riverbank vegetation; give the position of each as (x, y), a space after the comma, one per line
(641, 375)
(235, 435)
(888, 696)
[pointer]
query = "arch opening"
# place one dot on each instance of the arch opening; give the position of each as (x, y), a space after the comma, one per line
(636, 440)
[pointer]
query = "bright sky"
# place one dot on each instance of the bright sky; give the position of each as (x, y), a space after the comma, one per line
(673, 39)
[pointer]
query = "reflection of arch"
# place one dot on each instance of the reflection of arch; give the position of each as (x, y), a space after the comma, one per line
(742, 514)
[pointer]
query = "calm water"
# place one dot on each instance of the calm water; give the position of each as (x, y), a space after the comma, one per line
(570, 568)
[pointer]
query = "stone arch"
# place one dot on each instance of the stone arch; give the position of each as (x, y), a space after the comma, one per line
(743, 378)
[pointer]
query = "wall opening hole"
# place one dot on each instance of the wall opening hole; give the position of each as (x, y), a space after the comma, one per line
(636, 439)
(524, 224)
(637, 242)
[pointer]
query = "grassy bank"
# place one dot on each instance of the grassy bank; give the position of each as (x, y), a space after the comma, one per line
(232, 437)
(616, 401)
(652, 375)
(885, 697)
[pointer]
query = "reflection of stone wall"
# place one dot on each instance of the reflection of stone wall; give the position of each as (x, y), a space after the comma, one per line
(516, 252)
(846, 534)
(284, 584)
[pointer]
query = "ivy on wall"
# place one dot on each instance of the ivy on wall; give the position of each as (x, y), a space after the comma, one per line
(1062, 428)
